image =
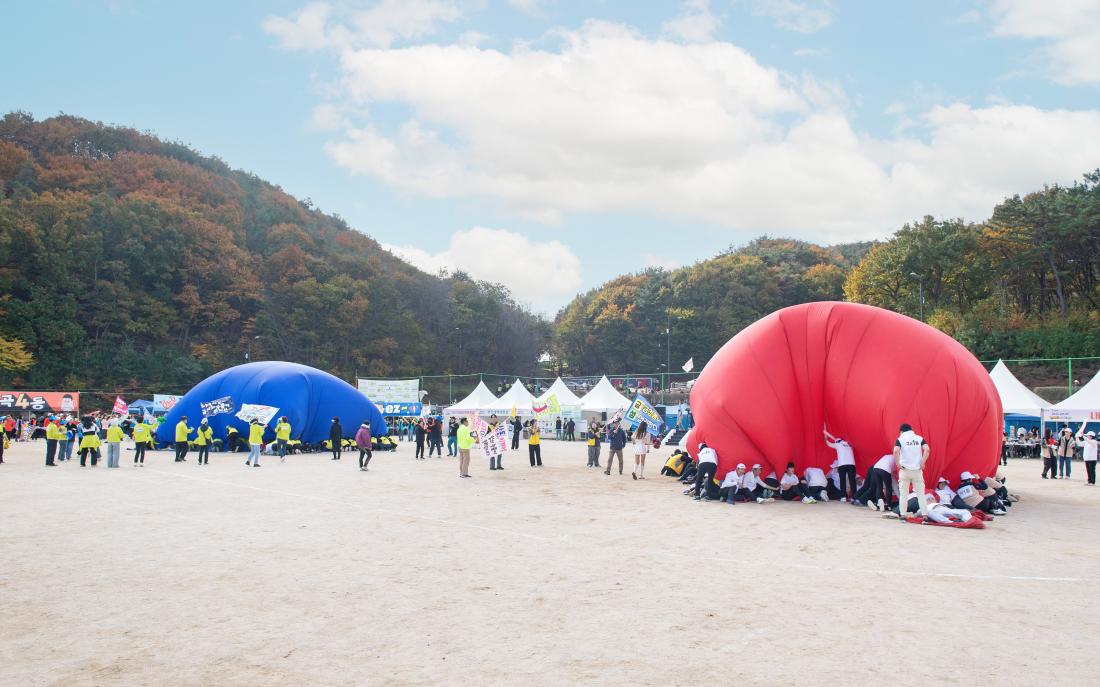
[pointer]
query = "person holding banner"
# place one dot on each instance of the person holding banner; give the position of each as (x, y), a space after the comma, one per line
(204, 436)
(255, 443)
(641, 448)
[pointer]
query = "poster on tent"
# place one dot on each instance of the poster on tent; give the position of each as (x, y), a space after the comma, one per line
(219, 406)
(162, 403)
(641, 411)
(494, 442)
(401, 409)
(251, 411)
(390, 390)
(548, 407)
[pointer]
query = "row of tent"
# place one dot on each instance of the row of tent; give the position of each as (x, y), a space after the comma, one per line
(602, 398)
(1017, 399)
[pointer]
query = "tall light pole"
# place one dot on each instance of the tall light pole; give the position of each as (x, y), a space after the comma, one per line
(248, 353)
(920, 288)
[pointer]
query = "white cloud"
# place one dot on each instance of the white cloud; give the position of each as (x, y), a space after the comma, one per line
(696, 25)
(614, 121)
(1070, 30)
(542, 273)
(808, 16)
(811, 52)
(321, 25)
(532, 7)
(662, 261)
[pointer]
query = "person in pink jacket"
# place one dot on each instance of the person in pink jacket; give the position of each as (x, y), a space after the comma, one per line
(363, 443)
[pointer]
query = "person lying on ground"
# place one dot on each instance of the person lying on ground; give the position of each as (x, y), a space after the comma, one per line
(937, 511)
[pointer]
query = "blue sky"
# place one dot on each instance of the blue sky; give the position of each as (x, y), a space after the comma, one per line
(554, 145)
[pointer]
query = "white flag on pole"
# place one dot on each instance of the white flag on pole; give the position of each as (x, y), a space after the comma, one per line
(690, 364)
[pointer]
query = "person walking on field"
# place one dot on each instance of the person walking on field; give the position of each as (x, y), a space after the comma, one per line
(616, 442)
(534, 451)
(182, 430)
(465, 443)
(255, 443)
(142, 435)
(114, 443)
(282, 436)
(641, 448)
(336, 438)
(204, 437)
(911, 452)
(363, 443)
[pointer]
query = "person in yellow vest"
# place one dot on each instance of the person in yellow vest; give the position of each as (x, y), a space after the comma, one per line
(255, 443)
(89, 442)
(282, 436)
(534, 452)
(182, 430)
(114, 442)
(204, 436)
(54, 435)
(142, 436)
(465, 443)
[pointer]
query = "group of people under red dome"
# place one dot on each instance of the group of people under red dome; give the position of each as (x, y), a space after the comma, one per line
(972, 498)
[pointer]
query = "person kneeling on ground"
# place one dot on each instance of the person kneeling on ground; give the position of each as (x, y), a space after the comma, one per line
(674, 466)
(814, 482)
(707, 464)
(878, 489)
(790, 488)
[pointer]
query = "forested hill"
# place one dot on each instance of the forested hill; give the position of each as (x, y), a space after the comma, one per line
(1025, 283)
(127, 262)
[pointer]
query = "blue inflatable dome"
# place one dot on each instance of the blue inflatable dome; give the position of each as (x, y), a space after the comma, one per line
(308, 397)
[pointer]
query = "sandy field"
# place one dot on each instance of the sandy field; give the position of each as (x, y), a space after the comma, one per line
(313, 573)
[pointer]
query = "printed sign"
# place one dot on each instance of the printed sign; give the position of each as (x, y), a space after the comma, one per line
(250, 412)
(218, 406)
(162, 403)
(39, 401)
(641, 411)
(390, 390)
(548, 407)
(494, 442)
(400, 409)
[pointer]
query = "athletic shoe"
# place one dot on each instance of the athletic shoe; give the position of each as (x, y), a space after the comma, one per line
(873, 506)
(824, 497)
(634, 475)
(697, 498)
(811, 499)
(999, 511)
(844, 499)
(759, 500)
(256, 465)
(769, 500)
(805, 499)
(881, 504)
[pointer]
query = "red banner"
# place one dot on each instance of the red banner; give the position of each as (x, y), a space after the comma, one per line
(39, 402)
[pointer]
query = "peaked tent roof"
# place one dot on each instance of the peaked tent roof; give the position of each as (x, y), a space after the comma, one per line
(1087, 398)
(1015, 397)
(479, 399)
(565, 395)
(603, 398)
(516, 396)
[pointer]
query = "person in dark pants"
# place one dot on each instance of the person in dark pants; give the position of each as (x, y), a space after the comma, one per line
(570, 430)
(435, 438)
(517, 429)
(421, 432)
(89, 442)
(707, 464)
(365, 444)
(452, 437)
(204, 436)
(534, 450)
(878, 488)
(336, 436)
(52, 434)
(182, 430)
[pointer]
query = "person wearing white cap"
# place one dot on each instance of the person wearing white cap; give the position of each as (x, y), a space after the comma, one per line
(736, 485)
(1065, 450)
(944, 492)
(845, 465)
(753, 487)
(1089, 454)
(969, 495)
(730, 483)
(815, 483)
(911, 451)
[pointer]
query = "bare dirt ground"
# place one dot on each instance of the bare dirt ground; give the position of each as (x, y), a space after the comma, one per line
(312, 573)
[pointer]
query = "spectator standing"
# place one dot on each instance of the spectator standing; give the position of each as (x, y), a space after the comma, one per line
(1067, 446)
(114, 443)
(336, 438)
(364, 444)
(452, 437)
(911, 452)
(282, 437)
(616, 442)
(465, 443)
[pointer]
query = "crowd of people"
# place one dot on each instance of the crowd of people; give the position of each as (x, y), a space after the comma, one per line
(894, 485)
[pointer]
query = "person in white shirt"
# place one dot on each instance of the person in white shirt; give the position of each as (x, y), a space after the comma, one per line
(708, 464)
(737, 491)
(815, 483)
(911, 452)
(790, 488)
(878, 490)
(845, 465)
(755, 486)
(944, 492)
(1089, 454)
(938, 511)
(731, 482)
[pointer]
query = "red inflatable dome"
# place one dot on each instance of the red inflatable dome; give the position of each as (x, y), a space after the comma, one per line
(859, 370)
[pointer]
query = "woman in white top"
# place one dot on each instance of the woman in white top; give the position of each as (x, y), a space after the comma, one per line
(641, 448)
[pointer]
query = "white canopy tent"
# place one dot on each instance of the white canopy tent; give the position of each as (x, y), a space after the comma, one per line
(1083, 405)
(603, 398)
(480, 401)
(1015, 397)
(565, 395)
(517, 397)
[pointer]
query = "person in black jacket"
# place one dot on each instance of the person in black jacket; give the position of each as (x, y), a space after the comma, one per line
(517, 429)
(435, 438)
(336, 437)
(421, 432)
